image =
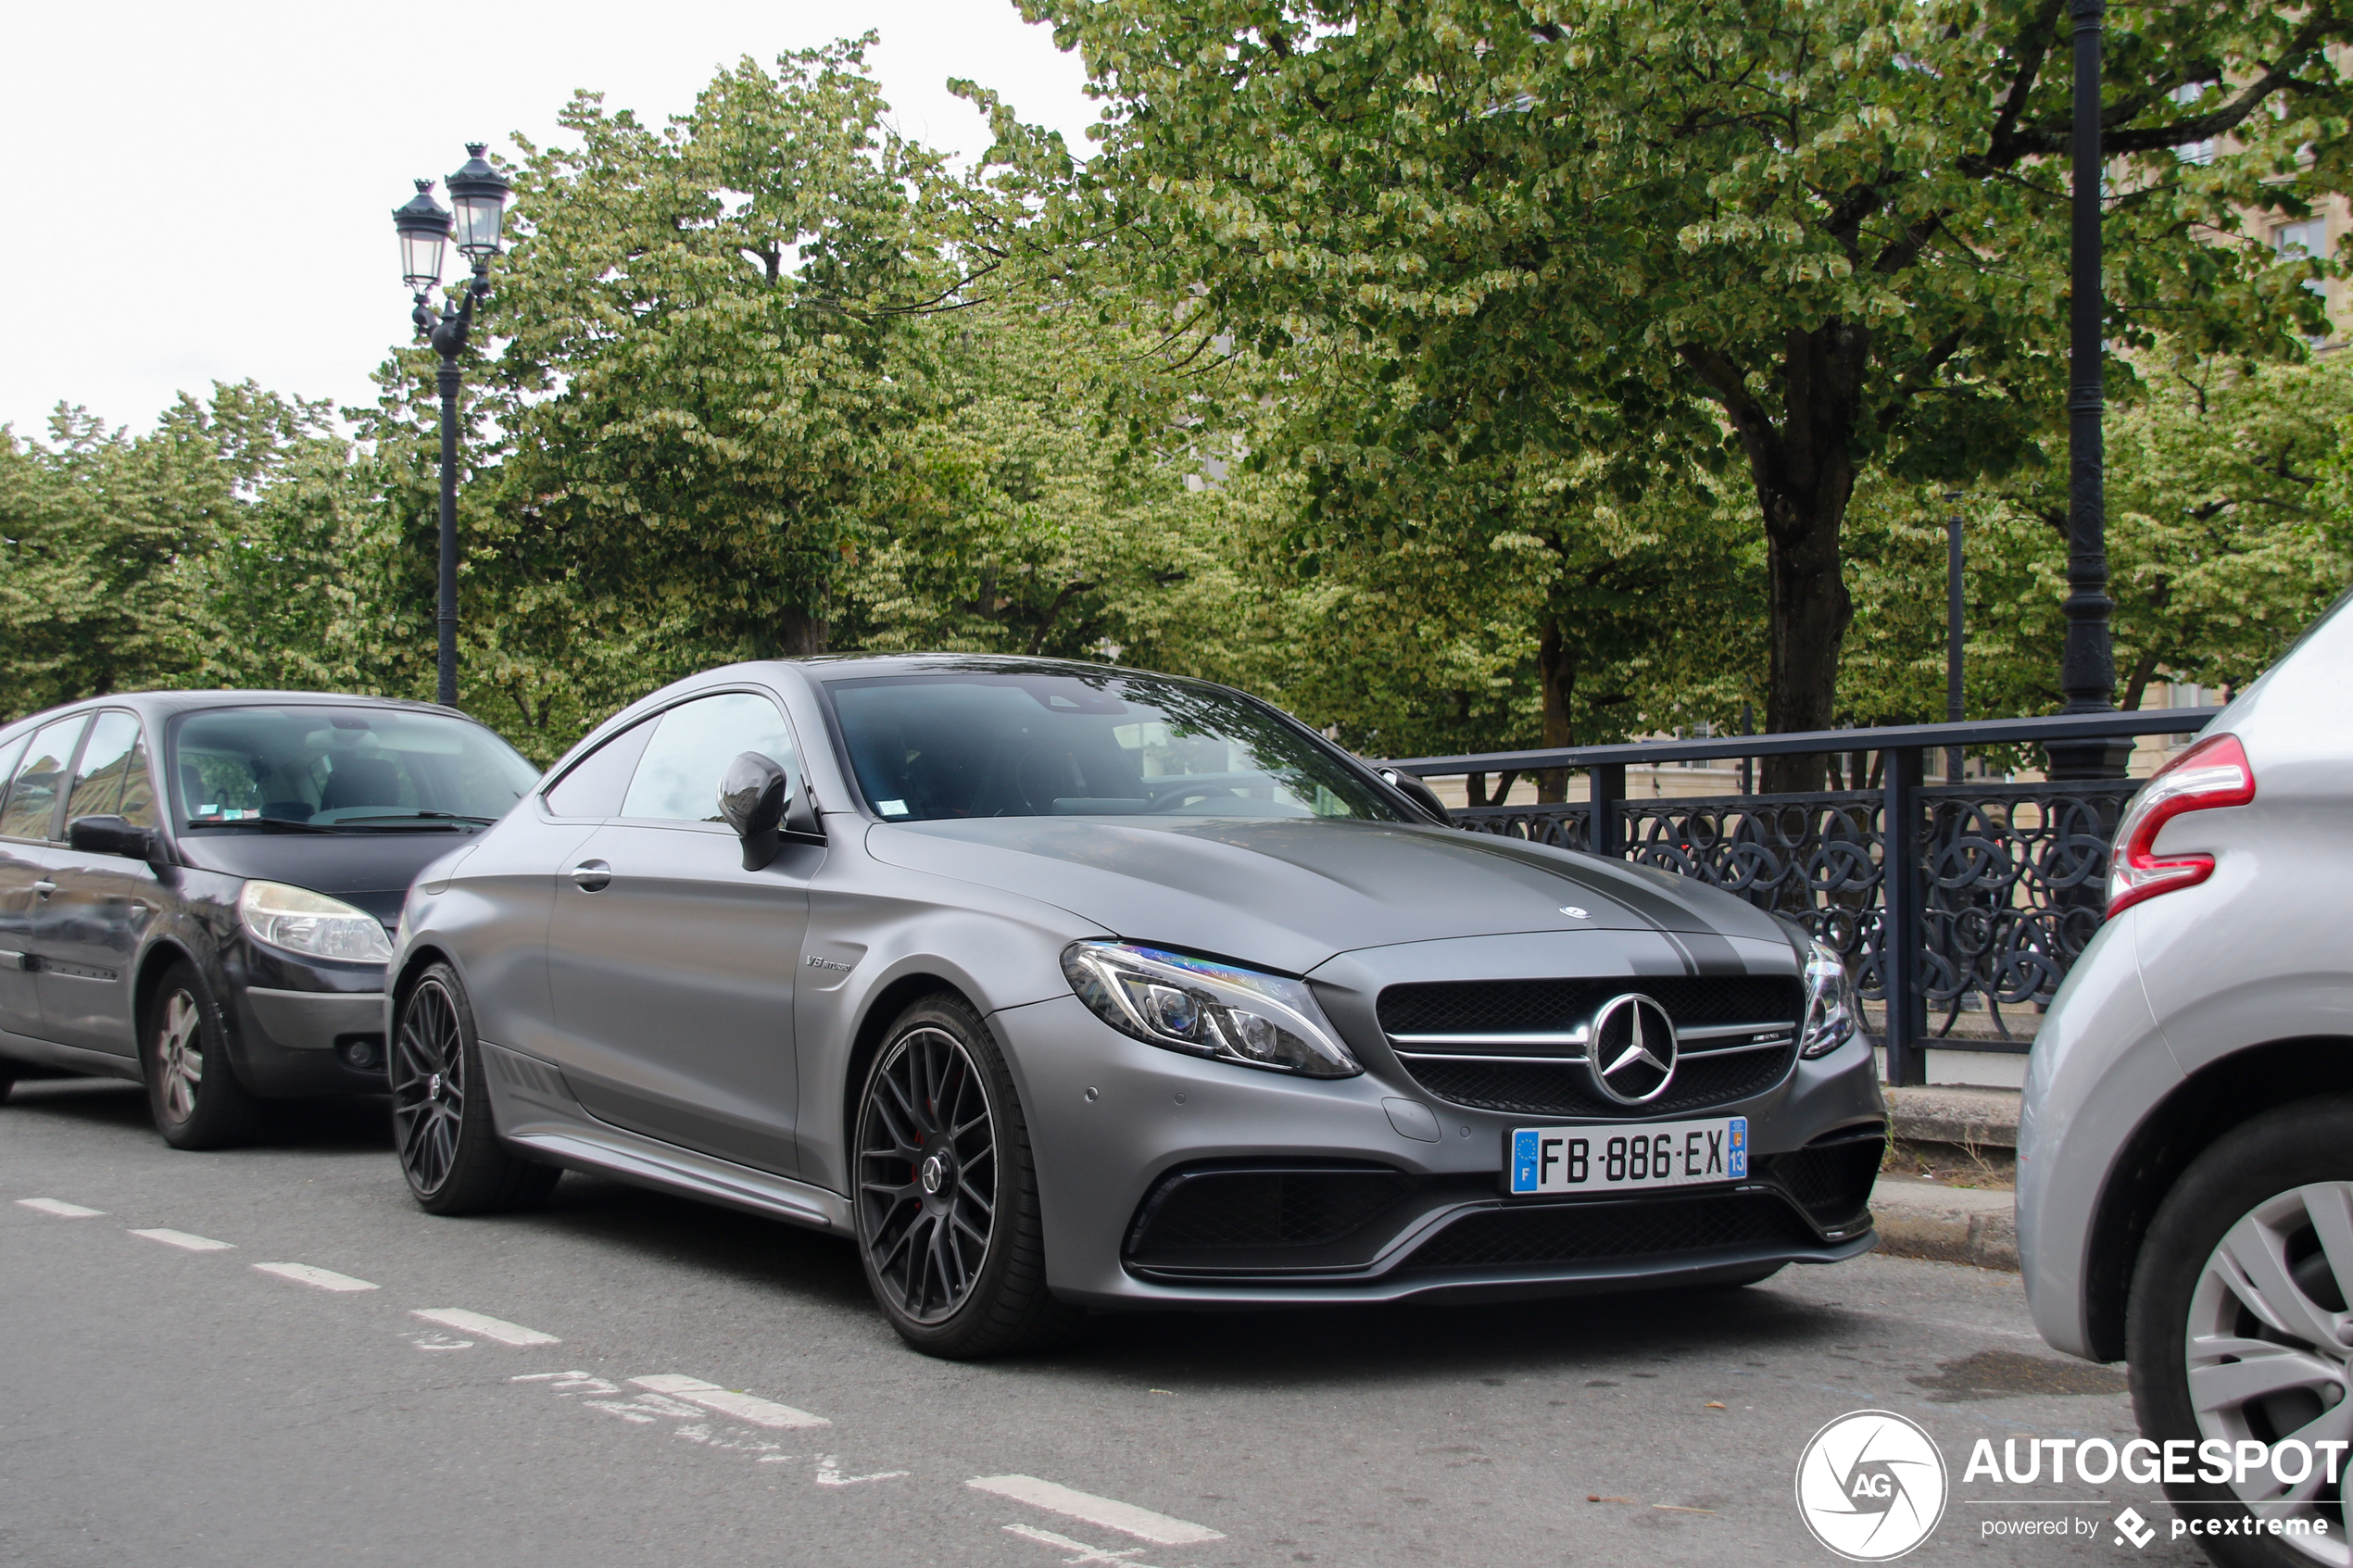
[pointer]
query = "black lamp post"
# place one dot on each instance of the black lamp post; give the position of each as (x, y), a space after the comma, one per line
(426, 227)
(1954, 711)
(2087, 668)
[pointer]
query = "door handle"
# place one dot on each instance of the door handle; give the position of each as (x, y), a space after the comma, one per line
(45, 888)
(591, 876)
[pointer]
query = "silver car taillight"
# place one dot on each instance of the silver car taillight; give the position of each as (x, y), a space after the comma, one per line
(2213, 773)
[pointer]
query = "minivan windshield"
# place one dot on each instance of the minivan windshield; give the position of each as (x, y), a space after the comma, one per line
(340, 767)
(974, 743)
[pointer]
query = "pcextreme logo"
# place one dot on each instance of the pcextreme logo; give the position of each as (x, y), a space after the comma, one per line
(1871, 1485)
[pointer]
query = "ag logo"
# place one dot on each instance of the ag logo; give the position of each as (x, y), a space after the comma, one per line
(1870, 1485)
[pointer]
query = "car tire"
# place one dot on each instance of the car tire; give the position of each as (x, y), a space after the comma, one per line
(8, 1082)
(946, 1193)
(2260, 1197)
(442, 1129)
(192, 1089)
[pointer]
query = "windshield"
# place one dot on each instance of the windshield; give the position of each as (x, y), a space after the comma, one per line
(973, 743)
(341, 768)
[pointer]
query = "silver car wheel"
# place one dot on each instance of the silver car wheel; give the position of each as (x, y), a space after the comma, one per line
(927, 1174)
(180, 1054)
(2269, 1349)
(428, 1087)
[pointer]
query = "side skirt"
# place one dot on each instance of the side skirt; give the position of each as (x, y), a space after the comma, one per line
(69, 1058)
(534, 1110)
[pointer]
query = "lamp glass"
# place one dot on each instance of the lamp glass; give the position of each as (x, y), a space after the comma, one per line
(479, 216)
(421, 257)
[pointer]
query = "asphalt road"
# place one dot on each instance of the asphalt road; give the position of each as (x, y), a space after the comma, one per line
(173, 1404)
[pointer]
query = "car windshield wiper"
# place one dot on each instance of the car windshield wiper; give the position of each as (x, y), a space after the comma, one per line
(267, 824)
(417, 816)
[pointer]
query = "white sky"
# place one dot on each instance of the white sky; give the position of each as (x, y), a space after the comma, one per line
(204, 191)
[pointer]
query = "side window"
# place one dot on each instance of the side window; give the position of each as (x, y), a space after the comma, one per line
(677, 780)
(11, 752)
(596, 782)
(32, 793)
(114, 748)
(138, 804)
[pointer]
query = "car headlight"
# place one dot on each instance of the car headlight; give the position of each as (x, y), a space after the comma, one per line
(312, 924)
(1831, 1014)
(1212, 1009)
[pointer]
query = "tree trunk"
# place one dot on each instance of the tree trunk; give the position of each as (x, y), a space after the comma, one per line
(1804, 471)
(800, 635)
(1557, 677)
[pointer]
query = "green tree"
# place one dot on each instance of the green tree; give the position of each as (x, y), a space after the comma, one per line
(1795, 239)
(2227, 537)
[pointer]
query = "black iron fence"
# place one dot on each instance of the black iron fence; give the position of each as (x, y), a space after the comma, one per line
(1994, 888)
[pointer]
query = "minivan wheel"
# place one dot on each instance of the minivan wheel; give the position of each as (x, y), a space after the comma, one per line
(2237, 1327)
(193, 1091)
(947, 1195)
(449, 1149)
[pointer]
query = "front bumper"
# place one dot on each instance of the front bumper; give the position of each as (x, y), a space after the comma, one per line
(295, 1017)
(1112, 1119)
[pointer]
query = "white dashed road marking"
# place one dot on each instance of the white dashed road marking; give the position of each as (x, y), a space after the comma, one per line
(182, 1239)
(1111, 1513)
(488, 1328)
(61, 1208)
(303, 1273)
(743, 1407)
(1085, 1553)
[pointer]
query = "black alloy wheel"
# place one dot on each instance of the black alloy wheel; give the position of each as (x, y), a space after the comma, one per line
(193, 1091)
(441, 1124)
(947, 1197)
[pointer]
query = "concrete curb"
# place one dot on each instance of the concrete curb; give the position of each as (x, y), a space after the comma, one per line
(1987, 1118)
(1945, 1224)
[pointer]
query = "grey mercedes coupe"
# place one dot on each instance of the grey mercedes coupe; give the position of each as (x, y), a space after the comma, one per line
(1061, 986)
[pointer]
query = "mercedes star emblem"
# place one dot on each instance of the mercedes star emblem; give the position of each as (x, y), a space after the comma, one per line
(1633, 1052)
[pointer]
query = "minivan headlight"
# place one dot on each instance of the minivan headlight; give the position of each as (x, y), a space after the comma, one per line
(312, 924)
(1218, 1010)
(1831, 1014)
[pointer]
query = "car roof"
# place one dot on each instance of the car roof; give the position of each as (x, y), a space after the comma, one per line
(157, 705)
(822, 667)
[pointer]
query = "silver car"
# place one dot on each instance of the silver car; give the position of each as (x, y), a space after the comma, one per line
(2185, 1155)
(1060, 987)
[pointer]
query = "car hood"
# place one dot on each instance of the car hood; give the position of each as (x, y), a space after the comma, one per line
(1292, 893)
(371, 871)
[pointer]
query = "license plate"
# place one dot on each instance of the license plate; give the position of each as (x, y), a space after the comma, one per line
(1618, 1159)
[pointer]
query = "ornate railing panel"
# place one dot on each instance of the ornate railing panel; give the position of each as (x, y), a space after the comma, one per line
(2014, 874)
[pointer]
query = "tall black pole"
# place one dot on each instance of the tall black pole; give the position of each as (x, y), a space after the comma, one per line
(2087, 669)
(1953, 705)
(448, 336)
(445, 619)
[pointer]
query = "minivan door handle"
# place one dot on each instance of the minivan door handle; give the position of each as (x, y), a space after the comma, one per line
(45, 888)
(591, 876)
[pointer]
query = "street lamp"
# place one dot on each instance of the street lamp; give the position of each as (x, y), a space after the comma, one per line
(2087, 668)
(426, 227)
(1954, 710)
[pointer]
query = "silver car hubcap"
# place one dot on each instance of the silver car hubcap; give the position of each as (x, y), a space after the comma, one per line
(2270, 1353)
(926, 1175)
(180, 1056)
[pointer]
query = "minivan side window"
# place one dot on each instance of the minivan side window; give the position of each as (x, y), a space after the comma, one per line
(115, 752)
(32, 793)
(596, 782)
(677, 780)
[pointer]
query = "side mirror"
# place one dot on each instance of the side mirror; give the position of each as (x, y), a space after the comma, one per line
(751, 797)
(112, 836)
(1418, 793)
